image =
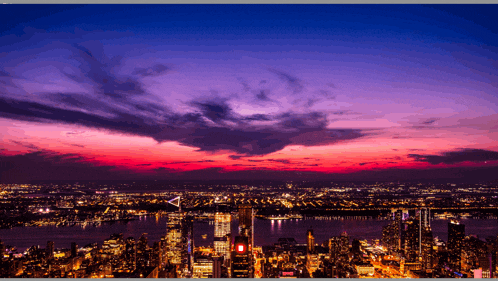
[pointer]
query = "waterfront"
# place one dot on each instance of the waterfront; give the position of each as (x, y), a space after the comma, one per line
(266, 232)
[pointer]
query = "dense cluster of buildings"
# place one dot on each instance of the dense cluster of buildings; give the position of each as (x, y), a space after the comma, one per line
(409, 238)
(408, 247)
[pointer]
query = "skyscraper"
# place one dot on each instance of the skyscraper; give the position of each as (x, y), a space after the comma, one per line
(334, 249)
(187, 245)
(427, 244)
(49, 250)
(142, 252)
(344, 240)
(412, 236)
(246, 229)
(456, 235)
(311, 256)
(241, 258)
(396, 230)
(310, 242)
(174, 238)
(131, 253)
(424, 223)
(222, 235)
(246, 222)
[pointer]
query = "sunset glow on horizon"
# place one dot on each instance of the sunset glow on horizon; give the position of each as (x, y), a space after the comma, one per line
(359, 92)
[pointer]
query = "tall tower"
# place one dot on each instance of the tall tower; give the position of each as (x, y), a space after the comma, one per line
(310, 241)
(344, 240)
(427, 244)
(397, 228)
(241, 264)
(456, 235)
(174, 238)
(222, 235)
(334, 248)
(246, 222)
(180, 240)
(412, 236)
(187, 252)
(131, 253)
(311, 256)
(246, 229)
(424, 223)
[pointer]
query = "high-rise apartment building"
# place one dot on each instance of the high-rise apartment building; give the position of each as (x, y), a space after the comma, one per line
(334, 248)
(131, 253)
(427, 255)
(174, 238)
(456, 236)
(246, 229)
(344, 243)
(222, 235)
(241, 264)
(187, 245)
(411, 238)
(310, 242)
(397, 229)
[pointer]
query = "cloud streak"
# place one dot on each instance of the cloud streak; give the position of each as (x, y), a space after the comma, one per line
(453, 157)
(120, 103)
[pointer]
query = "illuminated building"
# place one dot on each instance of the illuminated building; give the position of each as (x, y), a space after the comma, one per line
(187, 245)
(246, 223)
(427, 255)
(203, 268)
(425, 218)
(365, 269)
(396, 230)
(334, 248)
(174, 238)
(246, 229)
(142, 249)
(311, 256)
(113, 246)
(310, 242)
(344, 244)
(156, 257)
(424, 223)
(241, 258)
(131, 253)
(164, 246)
(222, 235)
(456, 235)
(339, 249)
(411, 234)
(387, 237)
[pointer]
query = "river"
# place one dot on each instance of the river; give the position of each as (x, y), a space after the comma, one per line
(266, 232)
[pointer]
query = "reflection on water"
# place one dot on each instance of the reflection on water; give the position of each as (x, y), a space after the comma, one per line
(266, 232)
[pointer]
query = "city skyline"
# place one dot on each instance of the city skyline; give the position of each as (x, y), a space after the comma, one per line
(273, 230)
(175, 92)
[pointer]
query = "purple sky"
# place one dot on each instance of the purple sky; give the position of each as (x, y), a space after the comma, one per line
(380, 92)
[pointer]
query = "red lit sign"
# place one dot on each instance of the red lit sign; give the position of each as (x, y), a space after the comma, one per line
(241, 248)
